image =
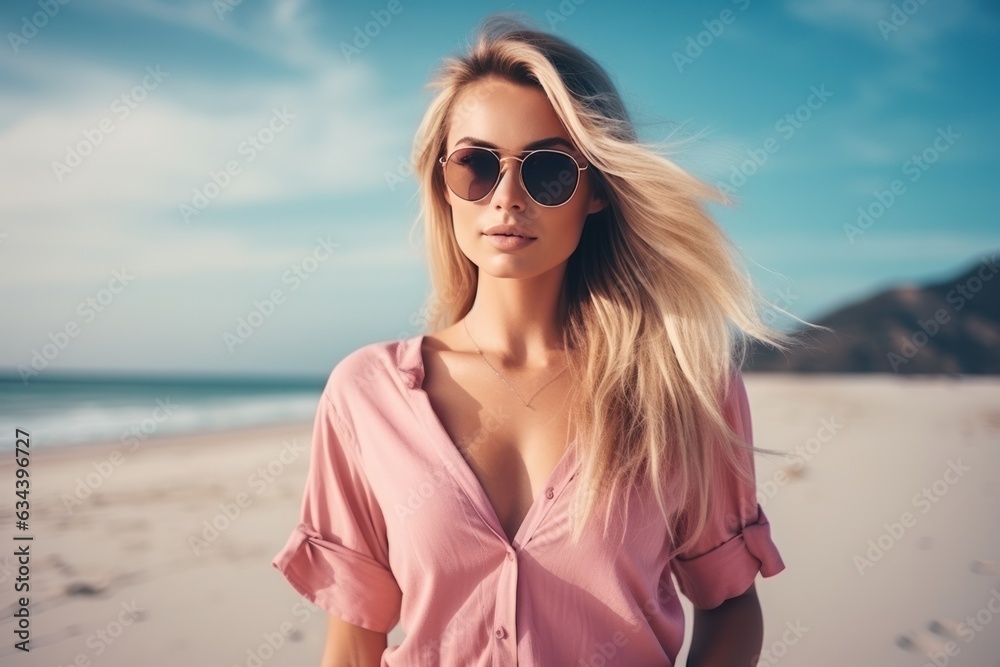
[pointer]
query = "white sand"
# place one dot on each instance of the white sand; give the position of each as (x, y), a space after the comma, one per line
(127, 545)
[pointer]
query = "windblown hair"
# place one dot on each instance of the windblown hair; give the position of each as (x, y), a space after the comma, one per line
(658, 309)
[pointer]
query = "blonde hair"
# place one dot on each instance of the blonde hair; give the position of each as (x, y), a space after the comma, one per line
(654, 290)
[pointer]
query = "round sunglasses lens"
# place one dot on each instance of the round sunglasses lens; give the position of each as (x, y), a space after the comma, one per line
(550, 178)
(472, 172)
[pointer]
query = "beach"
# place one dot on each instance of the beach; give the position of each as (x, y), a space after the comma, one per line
(887, 521)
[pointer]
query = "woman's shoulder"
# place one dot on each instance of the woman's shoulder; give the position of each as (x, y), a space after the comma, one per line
(736, 402)
(365, 371)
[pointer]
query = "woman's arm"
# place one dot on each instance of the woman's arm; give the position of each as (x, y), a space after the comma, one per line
(349, 645)
(729, 635)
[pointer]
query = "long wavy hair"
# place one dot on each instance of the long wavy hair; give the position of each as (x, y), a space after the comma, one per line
(659, 307)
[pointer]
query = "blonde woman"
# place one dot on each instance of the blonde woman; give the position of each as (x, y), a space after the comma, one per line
(588, 326)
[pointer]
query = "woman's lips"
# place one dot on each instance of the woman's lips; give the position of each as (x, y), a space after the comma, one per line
(504, 242)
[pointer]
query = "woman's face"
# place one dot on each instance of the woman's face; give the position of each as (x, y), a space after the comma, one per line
(495, 113)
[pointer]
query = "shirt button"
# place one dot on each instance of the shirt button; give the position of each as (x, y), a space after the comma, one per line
(510, 555)
(549, 493)
(501, 633)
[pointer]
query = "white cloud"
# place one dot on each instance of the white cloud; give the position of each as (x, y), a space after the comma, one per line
(838, 12)
(86, 248)
(884, 22)
(913, 62)
(280, 30)
(109, 211)
(878, 245)
(338, 140)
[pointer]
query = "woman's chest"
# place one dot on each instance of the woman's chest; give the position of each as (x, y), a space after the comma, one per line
(512, 442)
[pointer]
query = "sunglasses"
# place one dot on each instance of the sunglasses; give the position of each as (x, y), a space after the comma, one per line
(550, 177)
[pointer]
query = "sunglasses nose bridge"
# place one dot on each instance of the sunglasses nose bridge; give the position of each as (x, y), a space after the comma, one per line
(501, 171)
(508, 157)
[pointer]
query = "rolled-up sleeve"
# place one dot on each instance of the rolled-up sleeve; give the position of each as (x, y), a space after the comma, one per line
(736, 543)
(337, 555)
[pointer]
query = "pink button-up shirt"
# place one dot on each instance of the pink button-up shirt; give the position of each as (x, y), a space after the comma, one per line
(395, 525)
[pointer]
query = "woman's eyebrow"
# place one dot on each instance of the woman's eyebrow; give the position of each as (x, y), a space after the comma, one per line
(541, 143)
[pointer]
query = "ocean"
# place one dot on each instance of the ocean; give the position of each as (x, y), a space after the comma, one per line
(67, 411)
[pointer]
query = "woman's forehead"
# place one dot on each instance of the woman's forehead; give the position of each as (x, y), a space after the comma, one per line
(545, 142)
(506, 115)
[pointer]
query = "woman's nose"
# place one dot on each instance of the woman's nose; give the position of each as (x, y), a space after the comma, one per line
(509, 191)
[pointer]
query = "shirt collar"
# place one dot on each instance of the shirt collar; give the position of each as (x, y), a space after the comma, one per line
(409, 360)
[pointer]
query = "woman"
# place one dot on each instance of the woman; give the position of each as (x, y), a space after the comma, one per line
(584, 355)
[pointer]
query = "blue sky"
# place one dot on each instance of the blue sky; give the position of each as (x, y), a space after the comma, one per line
(162, 95)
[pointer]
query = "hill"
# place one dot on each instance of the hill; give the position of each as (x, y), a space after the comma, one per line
(950, 327)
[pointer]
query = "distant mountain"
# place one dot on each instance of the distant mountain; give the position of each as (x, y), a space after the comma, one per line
(951, 327)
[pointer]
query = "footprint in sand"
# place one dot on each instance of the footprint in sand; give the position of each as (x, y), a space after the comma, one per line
(987, 567)
(56, 562)
(86, 588)
(947, 627)
(102, 584)
(944, 630)
(795, 471)
(922, 642)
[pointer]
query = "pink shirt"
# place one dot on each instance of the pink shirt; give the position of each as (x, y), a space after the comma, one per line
(395, 525)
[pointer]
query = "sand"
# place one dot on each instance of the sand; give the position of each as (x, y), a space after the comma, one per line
(889, 525)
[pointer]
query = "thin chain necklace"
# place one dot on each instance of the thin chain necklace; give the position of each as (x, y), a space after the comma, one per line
(499, 375)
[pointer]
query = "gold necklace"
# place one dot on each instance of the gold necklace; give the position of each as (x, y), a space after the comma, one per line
(499, 375)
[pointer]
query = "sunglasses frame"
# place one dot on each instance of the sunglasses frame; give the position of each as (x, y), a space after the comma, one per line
(443, 161)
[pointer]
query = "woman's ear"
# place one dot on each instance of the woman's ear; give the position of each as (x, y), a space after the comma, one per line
(598, 194)
(597, 203)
